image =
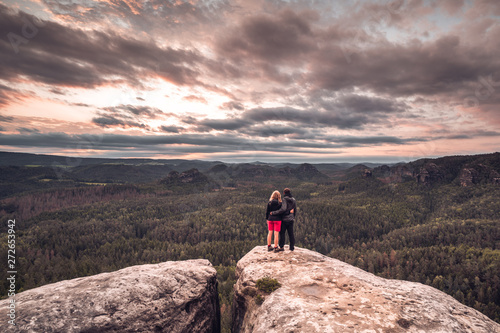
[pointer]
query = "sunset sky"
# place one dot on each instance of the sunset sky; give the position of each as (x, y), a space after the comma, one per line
(243, 81)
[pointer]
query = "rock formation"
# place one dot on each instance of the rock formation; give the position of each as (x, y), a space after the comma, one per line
(480, 173)
(468, 177)
(430, 173)
(167, 297)
(322, 294)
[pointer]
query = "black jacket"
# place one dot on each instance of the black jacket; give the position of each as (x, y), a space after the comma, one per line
(288, 204)
(272, 206)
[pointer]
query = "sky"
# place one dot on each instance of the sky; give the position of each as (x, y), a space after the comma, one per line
(242, 81)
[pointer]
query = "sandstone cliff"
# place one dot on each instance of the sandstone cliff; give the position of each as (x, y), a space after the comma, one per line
(322, 294)
(167, 297)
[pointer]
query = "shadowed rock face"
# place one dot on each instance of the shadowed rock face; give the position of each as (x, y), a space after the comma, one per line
(167, 297)
(322, 294)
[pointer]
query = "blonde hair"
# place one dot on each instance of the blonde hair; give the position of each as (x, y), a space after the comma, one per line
(276, 195)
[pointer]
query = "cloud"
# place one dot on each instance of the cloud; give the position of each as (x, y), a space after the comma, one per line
(279, 37)
(350, 111)
(109, 121)
(452, 7)
(8, 95)
(67, 56)
(194, 98)
(172, 16)
(6, 119)
(170, 129)
(127, 116)
(195, 142)
(24, 130)
(297, 71)
(232, 105)
(81, 104)
(128, 110)
(222, 124)
(57, 91)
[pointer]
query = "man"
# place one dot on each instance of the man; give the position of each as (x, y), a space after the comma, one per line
(288, 213)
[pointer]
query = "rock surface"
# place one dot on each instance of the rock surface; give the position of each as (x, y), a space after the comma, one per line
(322, 294)
(167, 297)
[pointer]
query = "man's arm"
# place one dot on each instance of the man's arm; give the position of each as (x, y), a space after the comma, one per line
(281, 210)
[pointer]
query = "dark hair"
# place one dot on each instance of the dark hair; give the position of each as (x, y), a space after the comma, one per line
(287, 191)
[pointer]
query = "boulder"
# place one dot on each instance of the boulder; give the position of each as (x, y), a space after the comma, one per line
(168, 297)
(322, 294)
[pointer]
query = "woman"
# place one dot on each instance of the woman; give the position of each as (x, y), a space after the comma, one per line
(274, 221)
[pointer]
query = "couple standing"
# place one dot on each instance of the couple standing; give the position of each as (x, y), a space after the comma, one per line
(280, 215)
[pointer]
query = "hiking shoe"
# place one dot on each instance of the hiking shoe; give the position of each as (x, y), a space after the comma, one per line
(279, 249)
(270, 248)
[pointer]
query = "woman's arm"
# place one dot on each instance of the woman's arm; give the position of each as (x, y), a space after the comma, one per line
(268, 210)
(281, 210)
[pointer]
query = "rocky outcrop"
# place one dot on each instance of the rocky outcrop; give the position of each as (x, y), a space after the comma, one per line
(468, 177)
(472, 175)
(400, 173)
(322, 294)
(167, 297)
(430, 173)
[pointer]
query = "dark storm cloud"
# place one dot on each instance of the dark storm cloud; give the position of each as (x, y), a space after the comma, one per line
(127, 116)
(264, 131)
(127, 110)
(345, 112)
(222, 124)
(278, 37)
(364, 104)
(198, 142)
(6, 119)
(351, 51)
(66, 56)
(444, 66)
(109, 121)
(338, 115)
(170, 129)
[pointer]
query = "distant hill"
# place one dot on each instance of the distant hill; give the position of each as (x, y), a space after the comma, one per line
(465, 170)
(119, 173)
(26, 172)
(25, 159)
(16, 179)
(247, 171)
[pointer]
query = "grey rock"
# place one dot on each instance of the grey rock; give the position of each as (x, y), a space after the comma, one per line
(322, 294)
(175, 296)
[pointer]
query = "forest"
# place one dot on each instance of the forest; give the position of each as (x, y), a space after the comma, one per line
(439, 233)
